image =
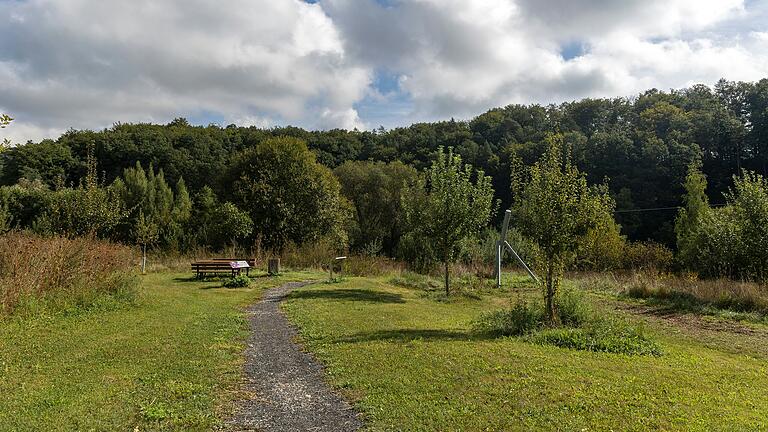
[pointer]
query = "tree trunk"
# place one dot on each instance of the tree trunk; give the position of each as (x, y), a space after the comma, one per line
(549, 295)
(143, 259)
(447, 292)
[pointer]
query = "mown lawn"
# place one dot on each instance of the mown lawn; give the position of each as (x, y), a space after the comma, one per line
(410, 362)
(170, 361)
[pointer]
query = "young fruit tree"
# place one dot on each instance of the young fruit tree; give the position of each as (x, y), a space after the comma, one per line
(557, 209)
(447, 206)
(146, 233)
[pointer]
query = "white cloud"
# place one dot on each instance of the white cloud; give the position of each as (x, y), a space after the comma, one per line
(89, 63)
(459, 58)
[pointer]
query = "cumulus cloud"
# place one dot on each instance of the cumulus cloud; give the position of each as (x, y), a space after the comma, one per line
(88, 63)
(458, 58)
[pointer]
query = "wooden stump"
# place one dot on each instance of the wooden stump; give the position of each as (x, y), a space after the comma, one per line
(273, 266)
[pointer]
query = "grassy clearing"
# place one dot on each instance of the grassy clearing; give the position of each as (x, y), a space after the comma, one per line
(411, 362)
(167, 362)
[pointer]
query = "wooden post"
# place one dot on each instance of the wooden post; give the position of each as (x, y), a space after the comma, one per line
(273, 266)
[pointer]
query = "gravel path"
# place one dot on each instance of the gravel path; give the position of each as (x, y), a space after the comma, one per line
(287, 388)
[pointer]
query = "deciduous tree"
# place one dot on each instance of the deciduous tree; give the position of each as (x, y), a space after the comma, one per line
(452, 202)
(557, 209)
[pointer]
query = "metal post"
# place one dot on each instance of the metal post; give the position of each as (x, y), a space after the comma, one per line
(144, 259)
(503, 243)
(498, 264)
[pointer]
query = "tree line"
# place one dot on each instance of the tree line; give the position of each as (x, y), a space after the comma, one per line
(642, 145)
(179, 187)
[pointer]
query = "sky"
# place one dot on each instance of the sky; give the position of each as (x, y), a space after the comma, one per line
(87, 64)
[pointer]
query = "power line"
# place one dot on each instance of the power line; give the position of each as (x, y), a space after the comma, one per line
(658, 208)
(647, 209)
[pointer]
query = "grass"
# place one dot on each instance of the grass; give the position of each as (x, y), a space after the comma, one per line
(721, 298)
(169, 361)
(57, 273)
(411, 362)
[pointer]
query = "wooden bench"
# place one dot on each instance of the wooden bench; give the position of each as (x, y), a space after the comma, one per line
(220, 266)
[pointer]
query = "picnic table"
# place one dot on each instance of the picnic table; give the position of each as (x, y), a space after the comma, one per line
(222, 266)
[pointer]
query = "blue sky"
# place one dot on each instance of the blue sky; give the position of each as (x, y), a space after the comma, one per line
(354, 63)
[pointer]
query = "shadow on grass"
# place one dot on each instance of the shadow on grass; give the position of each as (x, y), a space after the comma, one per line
(190, 279)
(210, 283)
(410, 335)
(349, 295)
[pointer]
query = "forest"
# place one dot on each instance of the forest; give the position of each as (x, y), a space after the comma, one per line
(178, 187)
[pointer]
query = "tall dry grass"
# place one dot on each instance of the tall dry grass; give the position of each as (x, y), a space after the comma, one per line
(61, 272)
(684, 292)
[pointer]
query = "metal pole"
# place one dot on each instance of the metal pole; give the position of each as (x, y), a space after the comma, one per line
(522, 263)
(498, 264)
(500, 246)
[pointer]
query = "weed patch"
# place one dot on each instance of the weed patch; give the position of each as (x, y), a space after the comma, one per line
(611, 335)
(580, 327)
(60, 274)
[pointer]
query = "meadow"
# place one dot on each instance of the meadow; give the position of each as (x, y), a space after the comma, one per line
(168, 360)
(407, 356)
(411, 360)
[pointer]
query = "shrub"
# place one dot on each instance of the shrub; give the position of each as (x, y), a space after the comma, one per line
(647, 256)
(602, 248)
(239, 281)
(729, 241)
(572, 309)
(520, 319)
(417, 252)
(62, 273)
(580, 327)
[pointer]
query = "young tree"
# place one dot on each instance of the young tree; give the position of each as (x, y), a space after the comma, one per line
(147, 193)
(146, 233)
(448, 206)
(231, 223)
(689, 217)
(557, 210)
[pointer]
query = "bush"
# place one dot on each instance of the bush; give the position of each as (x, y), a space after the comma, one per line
(602, 248)
(417, 252)
(730, 241)
(239, 281)
(519, 320)
(573, 311)
(61, 273)
(580, 328)
(647, 256)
